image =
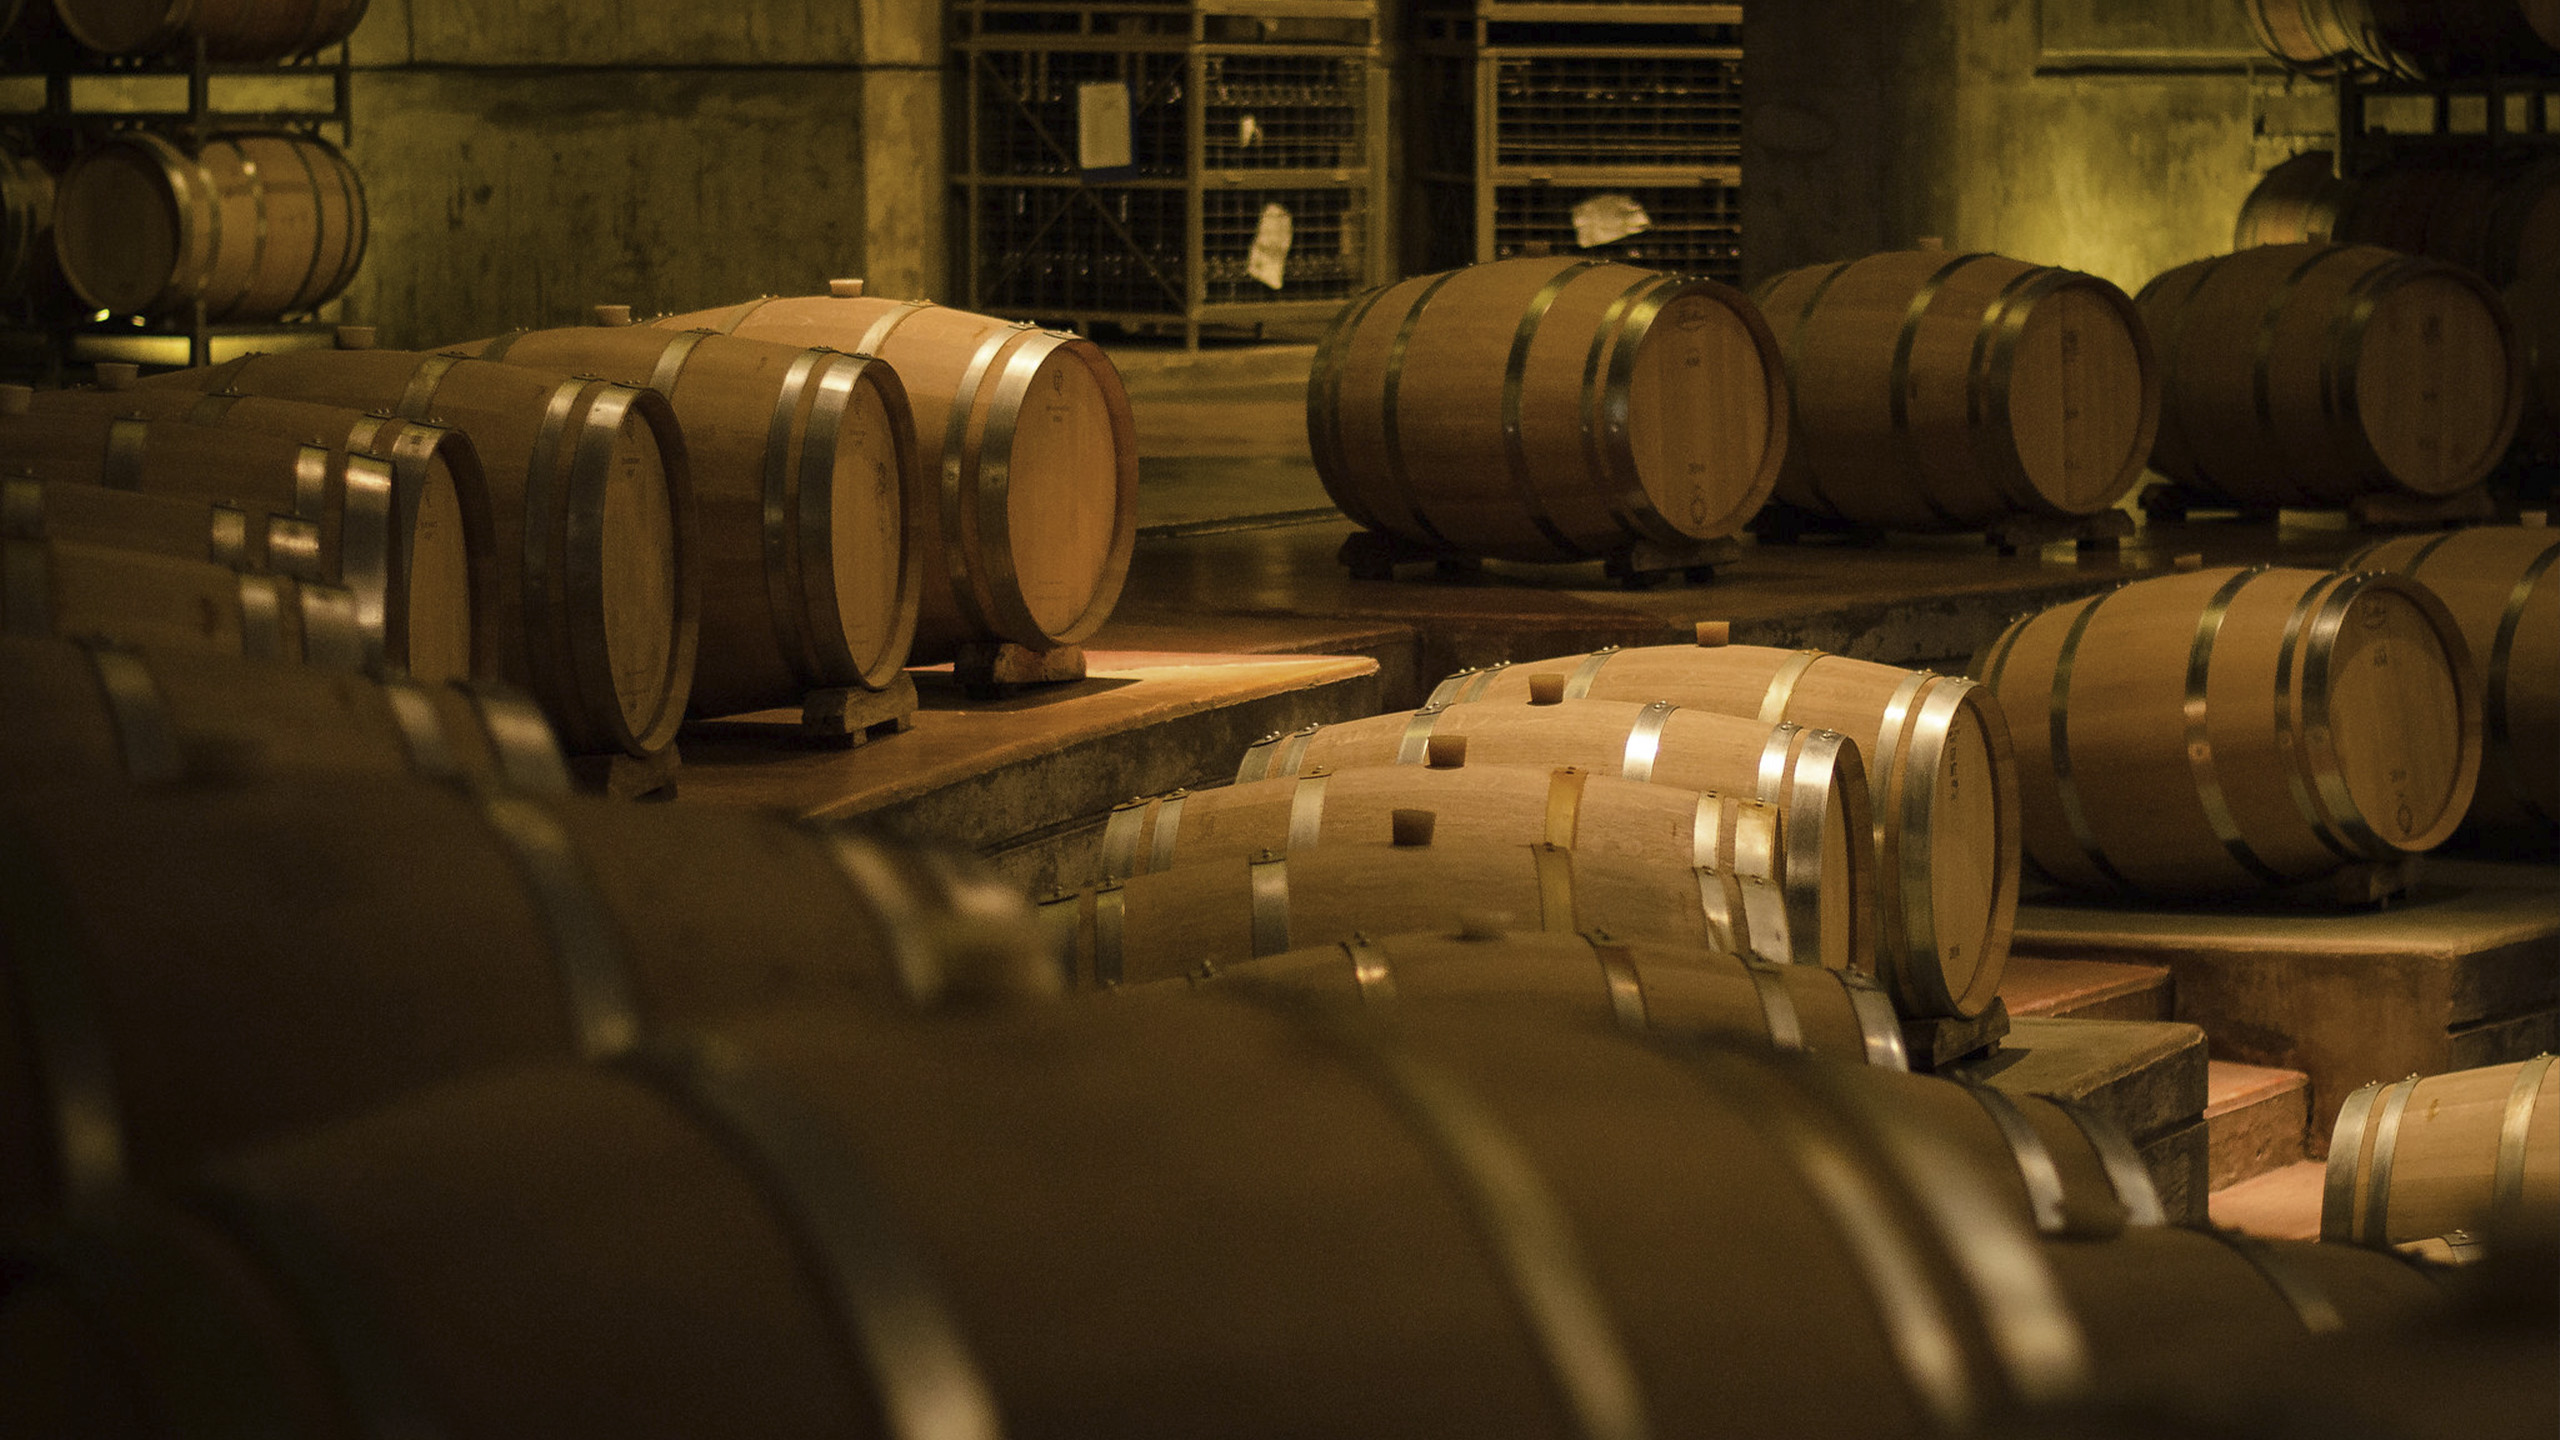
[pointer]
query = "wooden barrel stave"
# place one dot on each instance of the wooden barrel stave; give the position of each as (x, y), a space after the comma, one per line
(1947, 392)
(2474, 1151)
(1025, 434)
(1615, 405)
(1942, 781)
(1421, 1163)
(2502, 585)
(1734, 844)
(600, 609)
(92, 712)
(161, 602)
(438, 929)
(2226, 730)
(402, 510)
(807, 479)
(260, 226)
(2260, 347)
(1817, 779)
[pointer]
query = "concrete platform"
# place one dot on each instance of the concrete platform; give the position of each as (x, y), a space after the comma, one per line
(2282, 1204)
(2464, 972)
(2258, 1117)
(2148, 1076)
(1023, 779)
(2086, 990)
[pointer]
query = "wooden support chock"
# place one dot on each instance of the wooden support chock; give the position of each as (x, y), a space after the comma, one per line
(987, 670)
(852, 716)
(628, 777)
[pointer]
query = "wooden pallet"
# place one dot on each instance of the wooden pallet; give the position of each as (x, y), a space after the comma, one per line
(2462, 971)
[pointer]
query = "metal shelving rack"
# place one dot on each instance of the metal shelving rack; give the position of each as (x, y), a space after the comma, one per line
(1535, 108)
(2362, 150)
(1235, 106)
(66, 122)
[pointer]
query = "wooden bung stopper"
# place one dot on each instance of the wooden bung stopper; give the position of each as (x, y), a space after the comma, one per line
(2533, 519)
(355, 337)
(1546, 689)
(845, 289)
(1445, 752)
(613, 315)
(1715, 632)
(2187, 564)
(117, 375)
(1412, 827)
(1483, 925)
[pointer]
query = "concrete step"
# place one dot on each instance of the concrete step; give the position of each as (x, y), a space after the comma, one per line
(2282, 1204)
(2257, 1116)
(2086, 990)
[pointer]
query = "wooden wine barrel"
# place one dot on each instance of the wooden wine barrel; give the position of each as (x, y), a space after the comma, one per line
(2502, 587)
(1030, 435)
(1734, 846)
(255, 226)
(2216, 732)
(592, 516)
(2295, 203)
(2432, 38)
(230, 29)
(409, 533)
(2310, 35)
(1816, 779)
(201, 967)
(2309, 375)
(1943, 783)
(1468, 1225)
(1949, 392)
(1638, 984)
(26, 218)
(2475, 1151)
(162, 602)
(1568, 409)
(88, 712)
(806, 477)
(181, 526)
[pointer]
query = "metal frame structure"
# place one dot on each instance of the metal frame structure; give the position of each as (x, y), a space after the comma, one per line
(1539, 105)
(1235, 105)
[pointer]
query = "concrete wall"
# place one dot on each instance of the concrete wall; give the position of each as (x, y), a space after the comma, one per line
(526, 159)
(2111, 137)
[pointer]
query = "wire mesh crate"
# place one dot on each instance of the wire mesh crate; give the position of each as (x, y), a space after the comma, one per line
(1263, 114)
(1692, 229)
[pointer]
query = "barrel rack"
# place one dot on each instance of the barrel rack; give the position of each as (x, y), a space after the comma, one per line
(45, 328)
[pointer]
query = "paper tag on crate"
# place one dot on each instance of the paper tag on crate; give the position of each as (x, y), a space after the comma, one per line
(1603, 218)
(1103, 140)
(1270, 253)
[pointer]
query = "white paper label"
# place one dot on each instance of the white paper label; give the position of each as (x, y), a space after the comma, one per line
(1604, 218)
(1102, 126)
(1270, 253)
(1248, 133)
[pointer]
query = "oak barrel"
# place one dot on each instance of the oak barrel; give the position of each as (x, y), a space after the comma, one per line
(1466, 1225)
(91, 712)
(1637, 984)
(2308, 34)
(1949, 392)
(1548, 410)
(229, 29)
(200, 967)
(255, 226)
(2496, 219)
(2476, 1151)
(402, 520)
(2433, 38)
(2297, 202)
(1025, 434)
(806, 476)
(133, 597)
(2216, 732)
(1943, 784)
(2312, 374)
(592, 515)
(2502, 584)
(1815, 779)
(26, 219)
(1735, 847)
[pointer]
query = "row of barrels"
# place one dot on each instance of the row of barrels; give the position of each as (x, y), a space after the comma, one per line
(2419, 39)
(1555, 410)
(2221, 730)
(230, 31)
(719, 513)
(1777, 807)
